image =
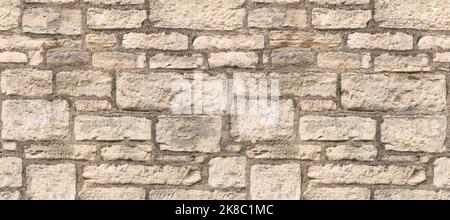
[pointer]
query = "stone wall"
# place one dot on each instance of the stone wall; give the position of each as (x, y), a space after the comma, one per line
(86, 99)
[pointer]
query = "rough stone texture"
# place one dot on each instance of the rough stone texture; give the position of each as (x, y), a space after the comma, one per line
(337, 194)
(10, 172)
(421, 134)
(227, 172)
(114, 193)
(416, 14)
(51, 182)
(202, 15)
(26, 82)
(98, 18)
(340, 19)
(52, 21)
(138, 174)
(407, 194)
(365, 174)
(84, 83)
(385, 41)
(394, 92)
(336, 128)
(275, 182)
(35, 120)
(112, 128)
(182, 194)
(189, 133)
(158, 99)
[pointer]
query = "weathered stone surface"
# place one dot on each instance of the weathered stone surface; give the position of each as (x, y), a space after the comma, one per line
(322, 128)
(52, 21)
(11, 146)
(19, 42)
(307, 84)
(229, 42)
(340, 19)
(189, 133)
(112, 128)
(285, 151)
(317, 105)
(36, 58)
(35, 120)
(118, 60)
(398, 63)
(96, 41)
(161, 41)
(407, 194)
(227, 172)
(122, 152)
(343, 60)
(13, 57)
(57, 151)
(203, 15)
(442, 57)
(113, 193)
(9, 14)
(418, 134)
(50, 1)
(10, 172)
(163, 61)
(264, 124)
(67, 58)
(277, 18)
(292, 57)
(5, 195)
(92, 105)
(116, 2)
(26, 82)
(385, 41)
(340, 2)
(346, 152)
(275, 1)
(416, 14)
(339, 193)
(51, 182)
(84, 83)
(442, 172)
(138, 174)
(233, 59)
(278, 39)
(434, 42)
(98, 18)
(275, 182)
(365, 174)
(182, 194)
(394, 92)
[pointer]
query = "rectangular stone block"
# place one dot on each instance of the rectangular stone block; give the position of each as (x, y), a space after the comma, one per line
(339, 193)
(9, 196)
(160, 41)
(340, 19)
(58, 151)
(98, 18)
(52, 21)
(113, 193)
(418, 134)
(26, 82)
(348, 152)
(92, 105)
(51, 182)
(13, 57)
(84, 83)
(293, 57)
(343, 60)
(441, 172)
(112, 128)
(121, 152)
(139, 174)
(394, 92)
(35, 120)
(408, 194)
(322, 128)
(201, 15)
(67, 58)
(10, 172)
(275, 182)
(229, 42)
(227, 172)
(415, 14)
(96, 41)
(193, 194)
(317, 105)
(118, 60)
(277, 18)
(189, 133)
(10, 14)
(163, 61)
(233, 59)
(399, 63)
(434, 42)
(365, 174)
(278, 39)
(385, 41)
(285, 151)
